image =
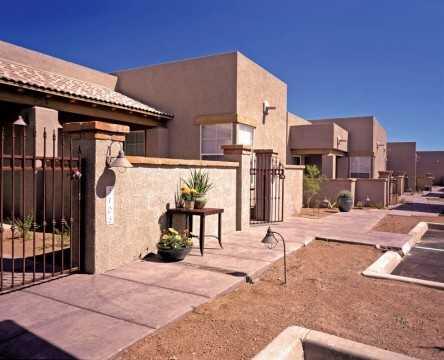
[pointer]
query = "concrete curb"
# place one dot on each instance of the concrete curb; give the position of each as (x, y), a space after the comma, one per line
(415, 235)
(383, 266)
(298, 343)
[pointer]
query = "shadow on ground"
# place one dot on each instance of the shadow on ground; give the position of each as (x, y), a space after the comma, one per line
(16, 342)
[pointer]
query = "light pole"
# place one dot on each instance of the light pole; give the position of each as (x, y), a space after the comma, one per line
(271, 240)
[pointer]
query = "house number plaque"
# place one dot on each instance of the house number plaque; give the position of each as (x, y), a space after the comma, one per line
(109, 210)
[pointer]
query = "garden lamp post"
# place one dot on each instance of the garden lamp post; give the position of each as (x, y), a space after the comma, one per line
(271, 241)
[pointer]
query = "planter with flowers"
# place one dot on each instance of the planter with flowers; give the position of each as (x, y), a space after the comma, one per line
(200, 182)
(174, 246)
(188, 194)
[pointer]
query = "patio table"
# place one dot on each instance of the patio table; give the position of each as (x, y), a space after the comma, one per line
(202, 213)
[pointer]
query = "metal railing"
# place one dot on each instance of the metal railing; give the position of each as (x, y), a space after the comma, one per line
(40, 207)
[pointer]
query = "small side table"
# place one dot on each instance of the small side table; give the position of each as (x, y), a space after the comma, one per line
(202, 213)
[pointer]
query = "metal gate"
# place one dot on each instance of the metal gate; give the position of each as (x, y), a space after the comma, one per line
(267, 176)
(40, 206)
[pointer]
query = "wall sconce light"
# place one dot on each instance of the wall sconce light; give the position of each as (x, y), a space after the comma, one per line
(267, 107)
(339, 141)
(380, 145)
(271, 240)
(119, 161)
(19, 121)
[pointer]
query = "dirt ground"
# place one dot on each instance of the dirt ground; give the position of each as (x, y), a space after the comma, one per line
(403, 224)
(325, 292)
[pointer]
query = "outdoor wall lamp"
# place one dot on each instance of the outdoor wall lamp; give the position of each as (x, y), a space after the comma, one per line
(267, 107)
(119, 161)
(380, 145)
(339, 141)
(271, 241)
(19, 121)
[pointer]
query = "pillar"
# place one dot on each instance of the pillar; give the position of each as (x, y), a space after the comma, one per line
(242, 155)
(94, 138)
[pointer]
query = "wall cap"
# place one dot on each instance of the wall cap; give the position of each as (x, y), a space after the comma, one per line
(236, 149)
(140, 160)
(96, 126)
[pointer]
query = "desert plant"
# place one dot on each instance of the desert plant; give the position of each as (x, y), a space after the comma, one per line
(172, 239)
(345, 194)
(312, 183)
(25, 226)
(199, 181)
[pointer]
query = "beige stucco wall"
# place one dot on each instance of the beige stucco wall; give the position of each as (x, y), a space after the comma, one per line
(141, 195)
(254, 86)
(318, 137)
(187, 89)
(401, 158)
(45, 62)
(364, 133)
(330, 189)
(431, 162)
(226, 88)
(374, 189)
(293, 190)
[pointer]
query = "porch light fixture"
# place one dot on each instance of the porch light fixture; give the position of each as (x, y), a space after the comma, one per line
(380, 145)
(267, 107)
(339, 141)
(20, 121)
(119, 161)
(271, 241)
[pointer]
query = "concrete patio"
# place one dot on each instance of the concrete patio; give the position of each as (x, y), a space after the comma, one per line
(96, 316)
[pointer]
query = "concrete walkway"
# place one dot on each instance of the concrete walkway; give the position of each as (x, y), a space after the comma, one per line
(96, 316)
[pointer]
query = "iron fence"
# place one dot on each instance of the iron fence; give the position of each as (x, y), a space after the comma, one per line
(40, 208)
(267, 175)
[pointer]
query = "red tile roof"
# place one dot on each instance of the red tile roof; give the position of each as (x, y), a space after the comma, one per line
(41, 80)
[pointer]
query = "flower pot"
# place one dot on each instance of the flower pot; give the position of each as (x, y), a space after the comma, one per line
(188, 204)
(173, 254)
(345, 204)
(200, 201)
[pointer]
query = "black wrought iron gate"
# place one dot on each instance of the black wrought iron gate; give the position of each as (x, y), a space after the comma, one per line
(40, 206)
(267, 176)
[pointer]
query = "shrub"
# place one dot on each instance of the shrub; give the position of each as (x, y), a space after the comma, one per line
(312, 182)
(345, 194)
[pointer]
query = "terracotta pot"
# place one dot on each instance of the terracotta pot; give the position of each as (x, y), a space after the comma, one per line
(200, 201)
(188, 204)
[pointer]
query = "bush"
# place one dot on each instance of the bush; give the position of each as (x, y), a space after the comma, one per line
(345, 194)
(312, 182)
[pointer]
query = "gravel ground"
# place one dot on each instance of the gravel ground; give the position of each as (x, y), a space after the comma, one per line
(403, 224)
(325, 292)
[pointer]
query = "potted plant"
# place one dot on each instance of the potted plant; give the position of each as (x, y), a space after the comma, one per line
(188, 195)
(174, 246)
(199, 181)
(345, 201)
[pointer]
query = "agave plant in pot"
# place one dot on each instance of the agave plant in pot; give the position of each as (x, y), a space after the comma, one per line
(174, 246)
(199, 181)
(345, 201)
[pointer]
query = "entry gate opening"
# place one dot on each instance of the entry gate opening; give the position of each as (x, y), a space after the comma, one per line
(267, 176)
(40, 206)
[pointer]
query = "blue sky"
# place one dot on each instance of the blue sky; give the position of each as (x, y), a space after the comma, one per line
(339, 58)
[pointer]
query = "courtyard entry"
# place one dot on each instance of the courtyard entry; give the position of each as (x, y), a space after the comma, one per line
(267, 178)
(40, 208)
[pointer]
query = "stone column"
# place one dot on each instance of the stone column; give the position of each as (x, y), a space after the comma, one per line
(329, 166)
(40, 119)
(242, 155)
(94, 138)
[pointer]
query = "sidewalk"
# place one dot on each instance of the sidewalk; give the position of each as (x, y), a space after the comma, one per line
(96, 316)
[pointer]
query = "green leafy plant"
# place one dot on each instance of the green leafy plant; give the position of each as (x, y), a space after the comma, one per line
(25, 226)
(199, 181)
(312, 183)
(172, 239)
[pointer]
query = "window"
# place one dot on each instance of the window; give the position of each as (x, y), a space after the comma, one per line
(244, 134)
(135, 143)
(212, 139)
(360, 166)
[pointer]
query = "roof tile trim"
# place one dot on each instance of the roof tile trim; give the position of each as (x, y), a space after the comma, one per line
(45, 80)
